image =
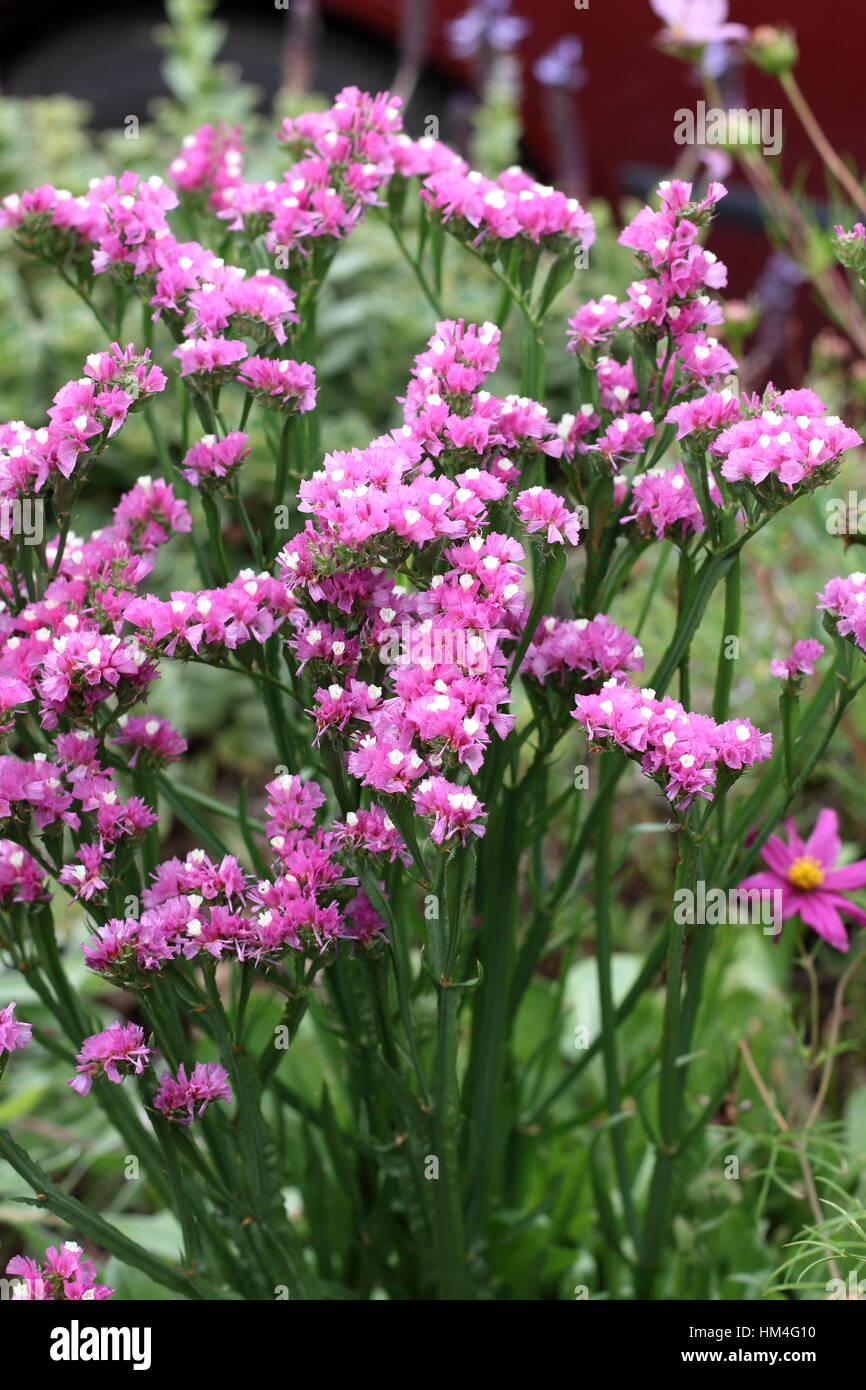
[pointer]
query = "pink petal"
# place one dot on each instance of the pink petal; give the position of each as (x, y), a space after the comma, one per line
(823, 844)
(794, 841)
(778, 856)
(818, 912)
(849, 909)
(849, 876)
(762, 880)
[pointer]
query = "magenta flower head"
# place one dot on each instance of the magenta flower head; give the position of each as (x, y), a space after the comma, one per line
(187, 1098)
(812, 888)
(115, 1052)
(801, 662)
(63, 1277)
(14, 1035)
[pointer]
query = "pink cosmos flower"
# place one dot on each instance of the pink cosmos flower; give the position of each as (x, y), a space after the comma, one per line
(812, 888)
(14, 1035)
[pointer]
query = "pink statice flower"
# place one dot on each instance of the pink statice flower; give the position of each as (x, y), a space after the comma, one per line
(844, 602)
(282, 384)
(152, 736)
(115, 1052)
(21, 878)
(186, 1098)
(706, 415)
(13, 694)
(784, 441)
(538, 508)
(455, 809)
(213, 360)
(64, 1276)
(595, 322)
(589, 650)
(14, 1035)
(812, 887)
(664, 504)
(209, 161)
(212, 459)
(684, 752)
(801, 662)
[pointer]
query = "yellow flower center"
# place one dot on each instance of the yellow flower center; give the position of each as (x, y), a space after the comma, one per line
(806, 873)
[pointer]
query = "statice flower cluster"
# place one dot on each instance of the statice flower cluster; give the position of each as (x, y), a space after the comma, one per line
(663, 504)
(486, 212)
(84, 416)
(64, 1275)
(671, 299)
(687, 754)
(783, 444)
(581, 652)
(800, 663)
(183, 1098)
(14, 1033)
(843, 602)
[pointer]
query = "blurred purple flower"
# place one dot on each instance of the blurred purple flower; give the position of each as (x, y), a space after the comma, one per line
(486, 24)
(561, 65)
(693, 23)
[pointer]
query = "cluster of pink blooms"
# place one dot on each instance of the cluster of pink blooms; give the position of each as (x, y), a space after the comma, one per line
(481, 210)
(14, 1034)
(429, 483)
(84, 416)
(122, 225)
(342, 160)
(21, 878)
(118, 1051)
(186, 1098)
(542, 510)
(212, 459)
(801, 662)
(209, 161)
(671, 301)
(581, 650)
(663, 503)
(63, 1276)
(844, 602)
(249, 608)
(281, 384)
(197, 907)
(683, 752)
(788, 437)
